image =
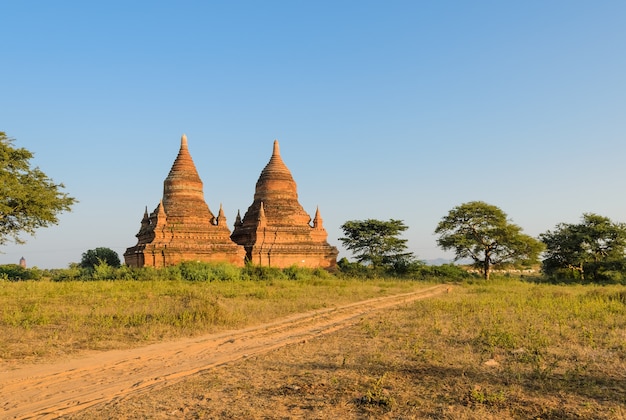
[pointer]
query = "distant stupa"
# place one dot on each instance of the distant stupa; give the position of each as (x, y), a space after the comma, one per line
(276, 231)
(23, 262)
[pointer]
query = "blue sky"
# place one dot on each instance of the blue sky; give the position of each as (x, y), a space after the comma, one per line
(388, 109)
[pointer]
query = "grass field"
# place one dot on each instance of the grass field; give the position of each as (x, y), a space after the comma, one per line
(487, 350)
(42, 320)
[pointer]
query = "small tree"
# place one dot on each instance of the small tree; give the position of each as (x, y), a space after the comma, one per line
(585, 248)
(28, 198)
(97, 256)
(376, 242)
(481, 231)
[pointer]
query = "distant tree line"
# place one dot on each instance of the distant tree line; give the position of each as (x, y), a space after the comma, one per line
(593, 250)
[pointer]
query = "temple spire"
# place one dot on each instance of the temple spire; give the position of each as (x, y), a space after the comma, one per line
(183, 189)
(145, 222)
(161, 209)
(276, 151)
(275, 180)
(317, 220)
(262, 220)
(221, 218)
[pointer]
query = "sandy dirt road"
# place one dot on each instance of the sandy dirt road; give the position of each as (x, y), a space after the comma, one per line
(52, 390)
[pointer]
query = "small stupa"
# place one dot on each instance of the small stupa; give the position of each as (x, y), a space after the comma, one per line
(182, 227)
(276, 231)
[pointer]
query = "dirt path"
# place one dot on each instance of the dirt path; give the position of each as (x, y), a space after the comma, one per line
(49, 391)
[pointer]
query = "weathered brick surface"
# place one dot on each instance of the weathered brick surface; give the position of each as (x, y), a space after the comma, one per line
(276, 231)
(182, 227)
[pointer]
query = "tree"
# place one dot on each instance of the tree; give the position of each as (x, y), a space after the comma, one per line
(376, 242)
(28, 198)
(97, 256)
(481, 231)
(584, 248)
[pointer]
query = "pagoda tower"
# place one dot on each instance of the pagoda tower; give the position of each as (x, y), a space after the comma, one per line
(182, 227)
(276, 231)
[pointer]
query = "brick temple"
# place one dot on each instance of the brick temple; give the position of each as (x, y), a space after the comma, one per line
(182, 227)
(276, 231)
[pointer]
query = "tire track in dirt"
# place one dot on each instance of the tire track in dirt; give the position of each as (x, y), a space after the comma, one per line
(52, 390)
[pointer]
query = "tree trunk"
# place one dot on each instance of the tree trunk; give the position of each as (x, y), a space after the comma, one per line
(486, 267)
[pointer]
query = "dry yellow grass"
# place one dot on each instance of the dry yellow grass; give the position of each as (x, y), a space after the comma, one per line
(43, 321)
(501, 350)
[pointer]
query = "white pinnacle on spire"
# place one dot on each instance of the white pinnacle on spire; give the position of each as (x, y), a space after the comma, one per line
(183, 141)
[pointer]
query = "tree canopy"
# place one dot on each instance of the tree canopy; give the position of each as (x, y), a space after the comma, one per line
(482, 233)
(94, 257)
(28, 198)
(585, 248)
(376, 242)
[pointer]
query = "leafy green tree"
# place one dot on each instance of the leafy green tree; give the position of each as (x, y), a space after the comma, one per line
(28, 198)
(376, 242)
(585, 248)
(481, 232)
(98, 256)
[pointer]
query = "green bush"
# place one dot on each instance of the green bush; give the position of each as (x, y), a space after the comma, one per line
(606, 272)
(356, 270)
(104, 271)
(256, 272)
(194, 271)
(296, 273)
(451, 271)
(202, 271)
(15, 272)
(74, 272)
(224, 272)
(197, 271)
(321, 273)
(94, 257)
(602, 272)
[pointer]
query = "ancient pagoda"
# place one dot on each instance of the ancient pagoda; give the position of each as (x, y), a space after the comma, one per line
(276, 231)
(182, 227)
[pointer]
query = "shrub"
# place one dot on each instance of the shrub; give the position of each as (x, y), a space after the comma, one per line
(225, 272)
(74, 272)
(602, 272)
(355, 269)
(96, 256)
(194, 271)
(256, 272)
(321, 273)
(296, 273)
(15, 272)
(104, 271)
(445, 270)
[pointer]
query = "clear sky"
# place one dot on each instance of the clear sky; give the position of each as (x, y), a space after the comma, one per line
(383, 109)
